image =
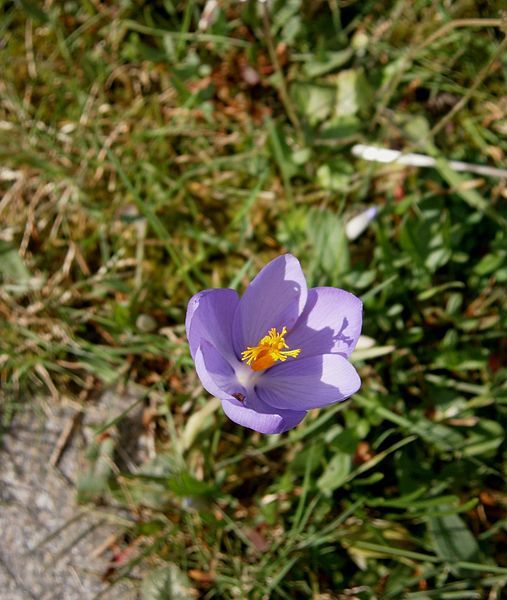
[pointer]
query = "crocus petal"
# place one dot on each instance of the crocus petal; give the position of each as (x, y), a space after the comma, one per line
(209, 317)
(276, 297)
(257, 415)
(330, 323)
(218, 378)
(215, 372)
(308, 383)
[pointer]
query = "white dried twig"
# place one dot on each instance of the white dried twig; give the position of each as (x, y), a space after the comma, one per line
(386, 155)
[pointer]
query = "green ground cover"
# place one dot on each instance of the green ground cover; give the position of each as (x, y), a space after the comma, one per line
(147, 154)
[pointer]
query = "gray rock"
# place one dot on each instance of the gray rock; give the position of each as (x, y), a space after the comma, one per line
(48, 547)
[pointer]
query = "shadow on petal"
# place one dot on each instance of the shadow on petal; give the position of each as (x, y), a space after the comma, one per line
(330, 323)
(276, 297)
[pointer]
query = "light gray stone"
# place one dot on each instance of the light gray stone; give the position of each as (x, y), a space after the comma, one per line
(47, 542)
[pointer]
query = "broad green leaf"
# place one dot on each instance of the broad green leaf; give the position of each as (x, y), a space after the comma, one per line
(183, 484)
(326, 234)
(167, 583)
(34, 11)
(314, 101)
(485, 438)
(149, 485)
(370, 353)
(331, 179)
(490, 263)
(335, 474)
(14, 274)
(316, 67)
(425, 240)
(353, 94)
(452, 540)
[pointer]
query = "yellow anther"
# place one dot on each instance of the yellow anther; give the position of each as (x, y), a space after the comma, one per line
(269, 349)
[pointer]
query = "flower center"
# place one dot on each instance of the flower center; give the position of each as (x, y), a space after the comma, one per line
(269, 349)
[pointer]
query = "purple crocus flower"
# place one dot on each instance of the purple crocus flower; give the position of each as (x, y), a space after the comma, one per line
(277, 352)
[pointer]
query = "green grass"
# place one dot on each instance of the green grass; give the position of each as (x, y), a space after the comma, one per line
(143, 160)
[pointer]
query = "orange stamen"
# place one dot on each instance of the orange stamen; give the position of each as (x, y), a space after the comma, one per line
(269, 350)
